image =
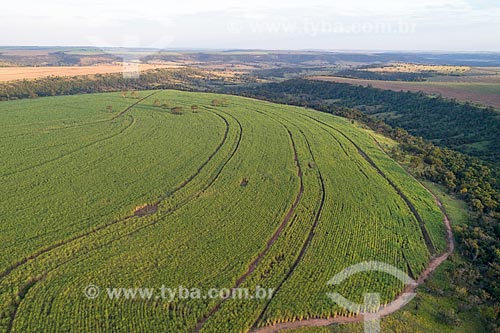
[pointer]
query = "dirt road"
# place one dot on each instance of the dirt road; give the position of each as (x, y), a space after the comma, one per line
(394, 306)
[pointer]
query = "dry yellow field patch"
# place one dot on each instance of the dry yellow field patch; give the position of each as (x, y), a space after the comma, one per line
(20, 73)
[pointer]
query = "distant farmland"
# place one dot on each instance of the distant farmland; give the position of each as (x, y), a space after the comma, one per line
(168, 188)
(21, 73)
(485, 93)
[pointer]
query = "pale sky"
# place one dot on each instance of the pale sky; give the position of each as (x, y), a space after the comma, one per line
(438, 25)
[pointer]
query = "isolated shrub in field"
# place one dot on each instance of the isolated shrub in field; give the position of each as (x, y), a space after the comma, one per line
(244, 182)
(220, 102)
(176, 110)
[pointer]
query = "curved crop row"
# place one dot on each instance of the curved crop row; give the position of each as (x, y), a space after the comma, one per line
(207, 191)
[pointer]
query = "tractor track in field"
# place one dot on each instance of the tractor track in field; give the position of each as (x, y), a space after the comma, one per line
(72, 151)
(399, 301)
(70, 126)
(118, 115)
(309, 237)
(396, 305)
(344, 149)
(307, 242)
(24, 289)
(449, 231)
(89, 144)
(59, 244)
(44, 130)
(35, 255)
(346, 152)
(421, 222)
(435, 262)
(271, 241)
(238, 142)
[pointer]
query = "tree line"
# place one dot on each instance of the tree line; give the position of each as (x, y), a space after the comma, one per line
(464, 127)
(181, 79)
(384, 76)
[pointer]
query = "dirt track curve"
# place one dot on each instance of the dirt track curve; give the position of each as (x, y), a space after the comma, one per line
(25, 288)
(392, 307)
(270, 242)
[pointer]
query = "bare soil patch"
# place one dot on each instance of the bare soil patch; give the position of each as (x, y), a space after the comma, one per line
(145, 210)
(22, 73)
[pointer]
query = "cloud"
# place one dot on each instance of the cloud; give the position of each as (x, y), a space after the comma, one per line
(198, 22)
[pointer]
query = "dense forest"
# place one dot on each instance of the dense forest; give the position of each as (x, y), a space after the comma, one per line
(479, 240)
(463, 127)
(291, 72)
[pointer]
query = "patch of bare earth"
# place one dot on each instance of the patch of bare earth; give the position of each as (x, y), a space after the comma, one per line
(145, 210)
(27, 73)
